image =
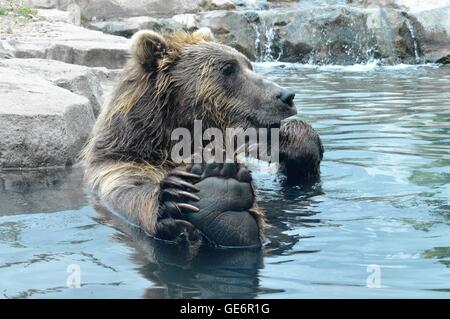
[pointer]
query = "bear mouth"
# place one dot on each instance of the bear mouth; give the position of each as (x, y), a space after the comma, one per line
(271, 115)
(268, 121)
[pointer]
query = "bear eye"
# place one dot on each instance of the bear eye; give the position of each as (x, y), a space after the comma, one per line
(228, 69)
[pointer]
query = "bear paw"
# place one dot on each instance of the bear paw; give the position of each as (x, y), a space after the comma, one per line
(226, 198)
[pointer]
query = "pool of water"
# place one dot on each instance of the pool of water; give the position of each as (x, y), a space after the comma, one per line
(378, 226)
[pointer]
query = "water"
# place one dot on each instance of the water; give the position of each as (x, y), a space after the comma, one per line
(380, 218)
(265, 46)
(414, 40)
(270, 34)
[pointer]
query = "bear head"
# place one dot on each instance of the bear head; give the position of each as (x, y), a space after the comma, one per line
(172, 80)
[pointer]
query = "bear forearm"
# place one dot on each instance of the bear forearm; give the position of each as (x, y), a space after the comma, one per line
(129, 189)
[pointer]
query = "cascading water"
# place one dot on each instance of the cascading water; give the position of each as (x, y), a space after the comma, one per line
(410, 27)
(348, 40)
(268, 55)
(257, 40)
(266, 48)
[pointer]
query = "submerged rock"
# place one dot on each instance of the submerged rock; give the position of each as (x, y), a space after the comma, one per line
(40, 124)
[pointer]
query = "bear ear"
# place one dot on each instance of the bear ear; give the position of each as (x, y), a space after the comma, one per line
(147, 47)
(205, 33)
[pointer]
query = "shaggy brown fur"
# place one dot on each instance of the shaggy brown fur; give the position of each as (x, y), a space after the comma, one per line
(168, 83)
(127, 156)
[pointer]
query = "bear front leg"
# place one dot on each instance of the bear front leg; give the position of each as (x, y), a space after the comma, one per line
(145, 196)
(300, 152)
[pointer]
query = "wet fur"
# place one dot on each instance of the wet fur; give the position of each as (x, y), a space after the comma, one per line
(128, 153)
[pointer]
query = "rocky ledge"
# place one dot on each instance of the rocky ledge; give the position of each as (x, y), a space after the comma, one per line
(40, 123)
(54, 78)
(48, 110)
(62, 41)
(323, 32)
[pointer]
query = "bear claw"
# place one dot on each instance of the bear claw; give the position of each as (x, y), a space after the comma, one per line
(177, 230)
(172, 181)
(177, 194)
(176, 190)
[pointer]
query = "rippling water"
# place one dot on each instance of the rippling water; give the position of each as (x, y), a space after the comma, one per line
(377, 226)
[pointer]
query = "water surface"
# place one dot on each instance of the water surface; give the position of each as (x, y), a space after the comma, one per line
(376, 227)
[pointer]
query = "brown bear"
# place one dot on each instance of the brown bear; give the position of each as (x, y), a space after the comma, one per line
(169, 82)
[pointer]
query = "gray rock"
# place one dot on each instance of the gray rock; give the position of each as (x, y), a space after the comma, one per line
(40, 124)
(253, 4)
(340, 34)
(110, 9)
(308, 31)
(6, 51)
(128, 26)
(108, 80)
(43, 4)
(72, 15)
(70, 44)
(233, 28)
(218, 5)
(78, 79)
(54, 15)
(187, 21)
(436, 31)
(443, 60)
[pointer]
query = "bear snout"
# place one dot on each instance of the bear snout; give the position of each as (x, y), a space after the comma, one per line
(286, 107)
(286, 96)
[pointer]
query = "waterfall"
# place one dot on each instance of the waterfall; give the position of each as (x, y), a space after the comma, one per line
(267, 56)
(410, 27)
(257, 40)
(266, 48)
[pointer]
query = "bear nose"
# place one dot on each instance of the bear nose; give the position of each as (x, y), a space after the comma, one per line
(286, 96)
